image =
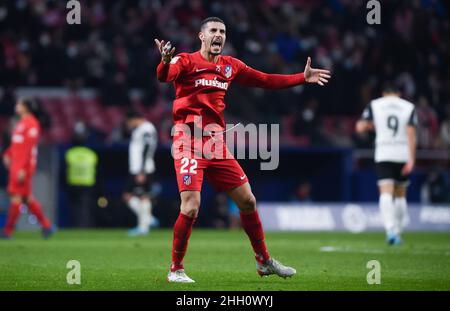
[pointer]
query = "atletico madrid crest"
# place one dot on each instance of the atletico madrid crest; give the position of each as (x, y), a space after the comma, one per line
(187, 180)
(228, 71)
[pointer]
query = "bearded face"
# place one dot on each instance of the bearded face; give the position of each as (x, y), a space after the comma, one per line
(213, 36)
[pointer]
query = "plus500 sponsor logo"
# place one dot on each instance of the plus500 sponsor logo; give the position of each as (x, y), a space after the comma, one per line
(213, 83)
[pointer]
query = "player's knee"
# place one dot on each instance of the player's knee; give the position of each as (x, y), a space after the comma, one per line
(190, 210)
(15, 199)
(190, 205)
(400, 192)
(192, 199)
(248, 203)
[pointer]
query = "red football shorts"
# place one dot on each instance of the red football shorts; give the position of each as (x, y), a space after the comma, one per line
(19, 188)
(205, 156)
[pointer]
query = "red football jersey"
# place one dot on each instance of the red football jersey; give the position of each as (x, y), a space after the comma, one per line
(201, 85)
(23, 148)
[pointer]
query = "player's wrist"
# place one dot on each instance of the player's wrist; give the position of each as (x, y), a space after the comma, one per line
(302, 78)
(166, 59)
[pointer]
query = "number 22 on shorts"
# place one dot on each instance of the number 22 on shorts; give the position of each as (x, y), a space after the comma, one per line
(188, 166)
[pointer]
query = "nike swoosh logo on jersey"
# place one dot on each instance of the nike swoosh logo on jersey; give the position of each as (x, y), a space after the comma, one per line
(242, 177)
(202, 69)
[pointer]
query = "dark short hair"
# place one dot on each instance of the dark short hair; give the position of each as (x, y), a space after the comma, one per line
(210, 19)
(31, 104)
(391, 87)
(133, 114)
(34, 106)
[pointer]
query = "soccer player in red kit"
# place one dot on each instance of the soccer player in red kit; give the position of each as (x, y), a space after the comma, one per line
(20, 159)
(201, 80)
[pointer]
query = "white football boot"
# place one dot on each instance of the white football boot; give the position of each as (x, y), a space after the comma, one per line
(179, 276)
(273, 266)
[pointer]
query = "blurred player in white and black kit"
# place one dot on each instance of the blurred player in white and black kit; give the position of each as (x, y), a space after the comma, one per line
(143, 143)
(394, 121)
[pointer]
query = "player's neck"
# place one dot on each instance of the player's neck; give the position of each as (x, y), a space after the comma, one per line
(139, 123)
(208, 56)
(391, 95)
(24, 115)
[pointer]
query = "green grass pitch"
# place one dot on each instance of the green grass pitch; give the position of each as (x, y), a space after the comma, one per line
(223, 260)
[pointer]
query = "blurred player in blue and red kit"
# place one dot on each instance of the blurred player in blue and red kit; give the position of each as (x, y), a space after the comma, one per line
(201, 80)
(20, 159)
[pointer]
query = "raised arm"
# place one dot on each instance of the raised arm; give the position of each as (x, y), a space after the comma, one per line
(169, 68)
(251, 77)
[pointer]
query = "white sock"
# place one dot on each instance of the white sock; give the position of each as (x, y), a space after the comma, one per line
(145, 215)
(387, 212)
(401, 213)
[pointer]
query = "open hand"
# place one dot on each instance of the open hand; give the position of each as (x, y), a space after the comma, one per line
(166, 50)
(407, 168)
(319, 76)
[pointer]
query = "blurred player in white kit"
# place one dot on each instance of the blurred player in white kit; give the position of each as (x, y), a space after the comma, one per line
(394, 121)
(141, 151)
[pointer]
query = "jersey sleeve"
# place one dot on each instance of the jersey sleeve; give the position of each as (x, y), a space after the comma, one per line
(367, 114)
(248, 76)
(31, 138)
(172, 71)
(413, 120)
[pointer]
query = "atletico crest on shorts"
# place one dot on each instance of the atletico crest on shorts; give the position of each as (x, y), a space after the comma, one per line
(187, 180)
(228, 71)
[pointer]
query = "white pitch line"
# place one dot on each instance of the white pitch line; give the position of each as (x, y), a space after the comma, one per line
(329, 249)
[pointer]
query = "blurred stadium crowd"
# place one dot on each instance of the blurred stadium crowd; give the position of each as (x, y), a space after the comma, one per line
(113, 52)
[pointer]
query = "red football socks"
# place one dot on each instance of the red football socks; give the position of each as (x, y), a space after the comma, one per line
(253, 227)
(13, 214)
(181, 233)
(36, 209)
